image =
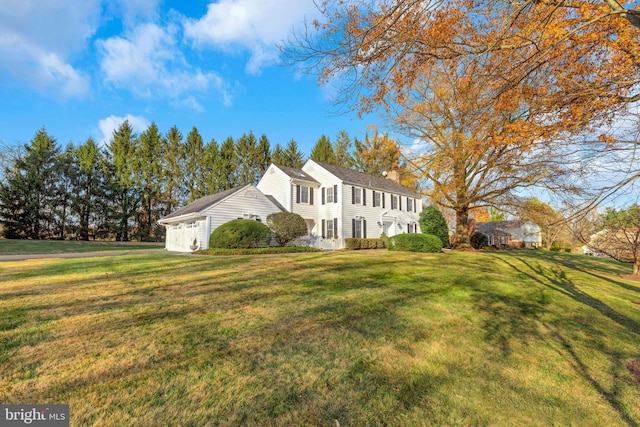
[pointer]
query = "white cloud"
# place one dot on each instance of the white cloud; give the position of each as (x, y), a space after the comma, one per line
(111, 123)
(254, 25)
(38, 38)
(148, 62)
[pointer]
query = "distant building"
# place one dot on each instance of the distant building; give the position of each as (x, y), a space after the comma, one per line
(514, 233)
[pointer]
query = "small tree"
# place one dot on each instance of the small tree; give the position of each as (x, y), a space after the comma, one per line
(432, 222)
(619, 237)
(287, 226)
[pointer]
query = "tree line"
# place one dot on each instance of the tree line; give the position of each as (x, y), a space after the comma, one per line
(120, 190)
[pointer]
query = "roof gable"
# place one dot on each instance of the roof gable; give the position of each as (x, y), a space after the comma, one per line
(203, 203)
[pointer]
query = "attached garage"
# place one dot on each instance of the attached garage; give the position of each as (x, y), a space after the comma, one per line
(197, 220)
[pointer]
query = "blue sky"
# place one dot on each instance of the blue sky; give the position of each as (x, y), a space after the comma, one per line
(80, 67)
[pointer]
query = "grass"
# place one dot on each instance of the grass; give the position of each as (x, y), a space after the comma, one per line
(25, 247)
(368, 338)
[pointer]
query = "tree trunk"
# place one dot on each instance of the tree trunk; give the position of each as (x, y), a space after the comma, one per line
(462, 228)
(636, 267)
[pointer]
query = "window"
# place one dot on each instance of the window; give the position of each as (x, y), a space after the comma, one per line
(330, 194)
(359, 228)
(191, 224)
(356, 196)
(376, 199)
(394, 201)
(330, 228)
(330, 231)
(409, 205)
(304, 194)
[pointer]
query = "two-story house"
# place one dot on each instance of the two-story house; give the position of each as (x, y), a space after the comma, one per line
(336, 203)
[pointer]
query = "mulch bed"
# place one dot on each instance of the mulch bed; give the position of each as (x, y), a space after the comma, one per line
(634, 367)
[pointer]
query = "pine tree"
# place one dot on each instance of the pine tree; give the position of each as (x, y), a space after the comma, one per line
(343, 151)
(173, 193)
(210, 175)
(88, 181)
(323, 151)
(227, 165)
(246, 155)
(293, 157)
(263, 156)
(26, 198)
(149, 159)
(277, 155)
(124, 199)
(194, 152)
(432, 222)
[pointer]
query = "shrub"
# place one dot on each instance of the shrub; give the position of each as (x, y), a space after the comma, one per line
(358, 243)
(432, 222)
(240, 233)
(478, 240)
(287, 226)
(415, 243)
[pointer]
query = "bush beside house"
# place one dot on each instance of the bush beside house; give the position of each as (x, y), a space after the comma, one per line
(287, 226)
(240, 233)
(432, 222)
(478, 240)
(359, 243)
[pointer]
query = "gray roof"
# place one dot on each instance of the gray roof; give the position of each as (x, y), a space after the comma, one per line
(275, 202)
(296, 173)
(367, 180)
(498, 227)
(203, 203)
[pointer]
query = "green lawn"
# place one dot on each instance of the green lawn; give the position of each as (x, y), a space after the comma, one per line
(23, 247)
(367, 338)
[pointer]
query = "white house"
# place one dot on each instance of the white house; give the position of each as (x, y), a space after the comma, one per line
(509, 233)
(335, 202)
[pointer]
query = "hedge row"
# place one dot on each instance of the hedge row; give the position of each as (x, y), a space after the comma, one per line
(359, 243)
(415, 243)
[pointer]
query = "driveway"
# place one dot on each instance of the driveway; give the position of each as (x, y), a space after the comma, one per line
(90, 254)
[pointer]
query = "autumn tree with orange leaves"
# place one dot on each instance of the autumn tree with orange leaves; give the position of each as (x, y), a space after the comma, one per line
(492, 89)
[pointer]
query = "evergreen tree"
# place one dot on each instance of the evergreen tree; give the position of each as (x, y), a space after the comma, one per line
(62, 193)
(323, 151)
(293, 157)
(88, 180)
(149, 159)
(263, 156)
(226, 165)
(194, 152)
(26, 198)
(432, 222)
(123, 197)
(210, 175)
(247, 160)
(277, 155)
(173, 177)
(343, 151)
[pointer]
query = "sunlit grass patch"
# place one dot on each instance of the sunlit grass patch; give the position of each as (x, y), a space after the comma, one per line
(522, 338)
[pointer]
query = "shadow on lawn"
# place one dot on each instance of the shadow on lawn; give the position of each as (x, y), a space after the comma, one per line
(515, 322)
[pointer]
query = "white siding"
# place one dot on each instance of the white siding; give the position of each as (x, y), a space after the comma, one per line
(246, 203)
(277, 184)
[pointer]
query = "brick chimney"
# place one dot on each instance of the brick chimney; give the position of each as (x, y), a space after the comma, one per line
(393, 176)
